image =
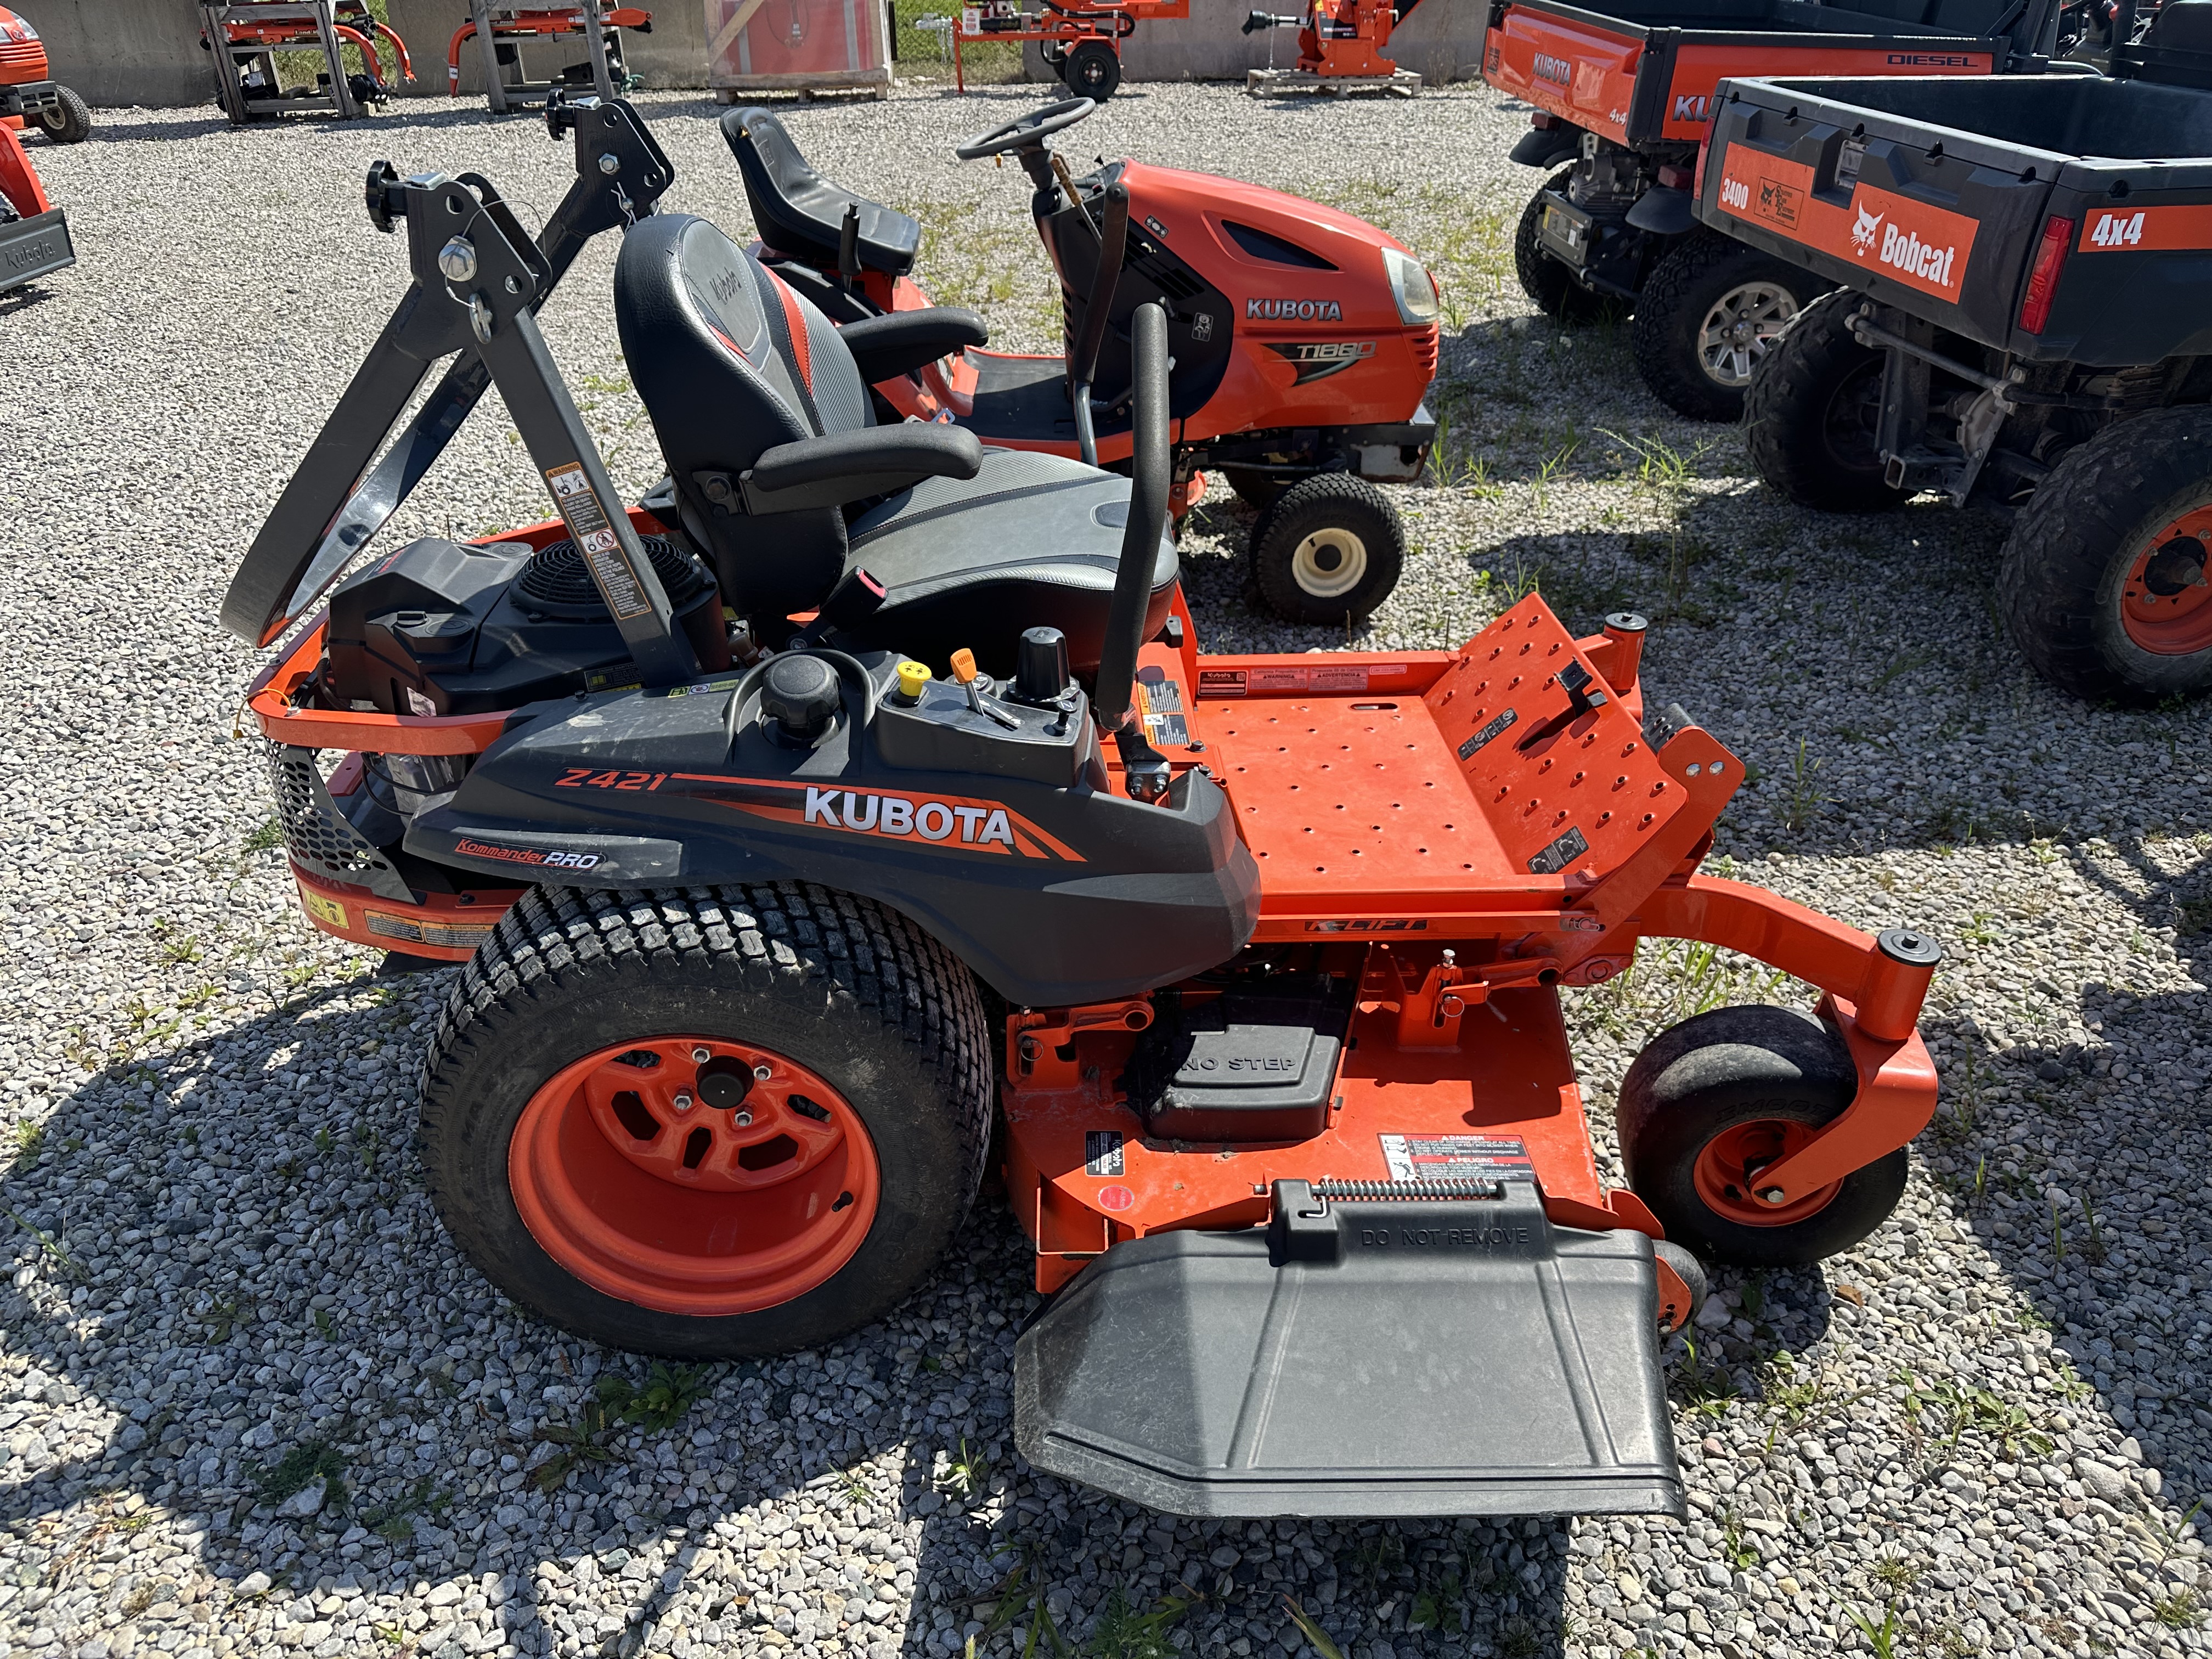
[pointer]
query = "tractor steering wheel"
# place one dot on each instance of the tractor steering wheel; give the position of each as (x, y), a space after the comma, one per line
(1026, 130)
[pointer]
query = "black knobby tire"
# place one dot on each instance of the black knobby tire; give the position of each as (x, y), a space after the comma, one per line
(1809, 414)
(1257, 490)
(1702, 273)
(69, 121)
(1544, 279)
(1092, 69)
(1732, 1066)
(1330, 549)
(2065, 567)
(840, 984)
(1691, 1273)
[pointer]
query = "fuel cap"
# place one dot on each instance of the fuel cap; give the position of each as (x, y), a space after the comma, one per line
(799, 697)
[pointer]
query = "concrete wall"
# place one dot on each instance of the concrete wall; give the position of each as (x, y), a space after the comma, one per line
(1441, 41)
(119, 53)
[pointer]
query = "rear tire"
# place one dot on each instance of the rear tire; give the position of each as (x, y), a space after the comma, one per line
(2105, 579)
(1705, 292)
(1810, 411)
(1092, 69)
(853, 994)
(1544, 279)
(1719, 1085)
(69, 122)
(1329, 550)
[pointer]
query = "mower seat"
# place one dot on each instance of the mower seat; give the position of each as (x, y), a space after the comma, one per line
(731, 364)
(801, 214)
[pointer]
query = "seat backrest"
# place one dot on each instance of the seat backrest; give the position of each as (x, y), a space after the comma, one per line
(799, 213)
(729, 362)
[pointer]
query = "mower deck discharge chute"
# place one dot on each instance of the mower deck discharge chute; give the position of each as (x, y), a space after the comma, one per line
(768, 919)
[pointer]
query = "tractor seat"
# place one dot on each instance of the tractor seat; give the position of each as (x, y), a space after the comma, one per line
(799, 213)
(730, 363)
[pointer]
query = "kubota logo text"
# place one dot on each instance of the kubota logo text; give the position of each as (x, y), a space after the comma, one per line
(1691, 108)
(1548, 68)
(1302, 311)
(899, 815)
(951, 822)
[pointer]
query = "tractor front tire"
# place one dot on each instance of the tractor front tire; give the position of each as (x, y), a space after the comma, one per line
(707, 1123)
(1712, 308)
(1092, 69)
(1710, 1100)
(1544, 279)
(2106, 579)
(1810, 411)
(69, 121)
(1328, 550)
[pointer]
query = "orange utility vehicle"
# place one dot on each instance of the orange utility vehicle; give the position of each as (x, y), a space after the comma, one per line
(34, 239)
(1258, 960)
(1620, 99)
(29, 97)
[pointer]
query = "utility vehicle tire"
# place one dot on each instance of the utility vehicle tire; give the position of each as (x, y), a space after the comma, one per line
(706, 1210)
(69, 122)
(1257, 490)
(1091, 69)
(2106, 579)
(1711, 1099)
(1544, 279)
(1329, 549)
(1710, 310)
(1810, 411)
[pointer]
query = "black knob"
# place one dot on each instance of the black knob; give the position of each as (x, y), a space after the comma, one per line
(1041, 665)
(725, 1082)
(799, 695)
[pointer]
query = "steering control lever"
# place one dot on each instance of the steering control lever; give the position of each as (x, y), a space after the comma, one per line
(1145, 769)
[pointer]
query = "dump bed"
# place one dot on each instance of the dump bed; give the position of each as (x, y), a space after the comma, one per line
(1643, 74)
(1937, 196)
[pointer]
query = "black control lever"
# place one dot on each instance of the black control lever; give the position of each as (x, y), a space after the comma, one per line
(1145, 769)
(1083, 363)
(1267, 20)
(848, 248)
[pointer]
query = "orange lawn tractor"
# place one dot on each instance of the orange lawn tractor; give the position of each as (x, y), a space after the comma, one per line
(34, 239)
(29, 98)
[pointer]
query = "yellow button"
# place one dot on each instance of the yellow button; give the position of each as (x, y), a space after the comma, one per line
(912, 676)
(964, 664)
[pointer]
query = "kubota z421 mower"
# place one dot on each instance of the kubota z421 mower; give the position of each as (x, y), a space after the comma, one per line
(1303, 339)
(1257, 959)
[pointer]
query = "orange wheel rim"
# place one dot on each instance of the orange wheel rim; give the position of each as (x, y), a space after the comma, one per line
(628, 1177)
(1726, 1171)
(2166, 600)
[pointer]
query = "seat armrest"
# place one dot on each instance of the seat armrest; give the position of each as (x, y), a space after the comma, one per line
(901, 341)
(850, 466)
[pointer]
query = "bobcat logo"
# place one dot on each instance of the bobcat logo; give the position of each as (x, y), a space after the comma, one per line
(1864, 232)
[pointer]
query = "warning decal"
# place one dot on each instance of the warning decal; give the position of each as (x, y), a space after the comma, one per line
(1101, 1152)
(1276, 679)
(1560, 854)
(596, 540)
(1163, 708)
(1467, 749)
(1448, 1158)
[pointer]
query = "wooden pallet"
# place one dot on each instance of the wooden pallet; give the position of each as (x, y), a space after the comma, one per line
(1404, 83)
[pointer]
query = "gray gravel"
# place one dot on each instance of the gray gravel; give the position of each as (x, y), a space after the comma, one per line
(250, 1401)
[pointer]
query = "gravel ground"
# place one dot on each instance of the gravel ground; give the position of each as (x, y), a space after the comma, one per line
(250, 1399)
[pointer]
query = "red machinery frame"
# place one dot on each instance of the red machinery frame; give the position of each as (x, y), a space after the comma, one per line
(1110, 20)
(352, 23)
(1411, 828)
(550, 22)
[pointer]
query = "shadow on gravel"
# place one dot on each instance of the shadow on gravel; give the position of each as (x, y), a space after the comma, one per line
(248, 1341)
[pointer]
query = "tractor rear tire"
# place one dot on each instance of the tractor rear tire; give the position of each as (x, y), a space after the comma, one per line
(1092, 69)
(1809, 414)
(2107, 590)
(69, 121)
(1328, 552)
(1257, 490)
(844, 996)
(1704, 288)
(1708, 1100)
(1544, 279)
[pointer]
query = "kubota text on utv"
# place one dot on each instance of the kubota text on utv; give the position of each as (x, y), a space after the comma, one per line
(1303, 339)
(1257, 959)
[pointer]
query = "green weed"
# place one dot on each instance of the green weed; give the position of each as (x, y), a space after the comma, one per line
(307, 1463)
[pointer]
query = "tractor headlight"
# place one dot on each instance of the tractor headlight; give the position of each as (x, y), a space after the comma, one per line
(1411, 286)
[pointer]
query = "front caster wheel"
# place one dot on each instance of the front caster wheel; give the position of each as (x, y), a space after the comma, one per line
(707, 1124)
(1329, 549)
(1712, 1100)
